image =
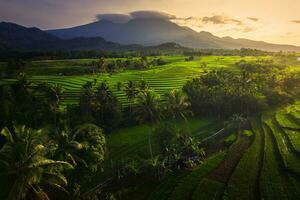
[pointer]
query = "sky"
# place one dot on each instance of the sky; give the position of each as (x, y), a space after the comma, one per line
(276, 21)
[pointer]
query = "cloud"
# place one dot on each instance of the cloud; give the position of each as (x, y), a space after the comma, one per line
(295, 21)
(143, 14)
(148, 14)
(221, 19)
(253, 19)
(118, 18)
(248, 29)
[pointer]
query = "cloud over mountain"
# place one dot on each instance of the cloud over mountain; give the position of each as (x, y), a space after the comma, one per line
(143, 14)
(118, 18)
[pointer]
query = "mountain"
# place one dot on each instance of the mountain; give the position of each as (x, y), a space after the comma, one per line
(14, 36)
(147, 31)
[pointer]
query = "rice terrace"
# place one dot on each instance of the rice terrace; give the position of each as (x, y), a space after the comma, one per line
(147, 105)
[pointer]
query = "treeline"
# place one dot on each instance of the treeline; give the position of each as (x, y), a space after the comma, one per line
(254, 87)
(13, 67)
(102, 66)
(54, 55)
(78, 54)
(229, 52)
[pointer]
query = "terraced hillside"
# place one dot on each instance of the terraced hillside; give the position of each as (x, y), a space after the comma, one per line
(161, 79)
(262, 163)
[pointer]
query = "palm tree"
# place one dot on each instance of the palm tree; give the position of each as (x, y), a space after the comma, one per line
(65, 147)
(236, 121)
(148, 111)
(86, 99)
(158, 167)
(101, 67)
(143, 85)
(55, 94)
(177, 105)
(84, 145)
(25, 169)
(119, 86)
(131, 92)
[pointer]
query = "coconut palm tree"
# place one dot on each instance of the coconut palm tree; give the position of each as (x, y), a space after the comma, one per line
(131, 92)
(25, 169)
(119, 86)
(143, 85)
(236, 121)
(55, 94)
(85, 145)
(148, 110)
(177, 105)
(157, 166)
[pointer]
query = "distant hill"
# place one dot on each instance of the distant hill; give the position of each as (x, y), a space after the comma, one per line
(14, 36)
(145, 31)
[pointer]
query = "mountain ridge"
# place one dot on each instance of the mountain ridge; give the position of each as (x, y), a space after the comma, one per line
(14, 36)
(156, 31)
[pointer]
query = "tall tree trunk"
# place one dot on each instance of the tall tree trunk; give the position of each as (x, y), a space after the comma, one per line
(149, 141)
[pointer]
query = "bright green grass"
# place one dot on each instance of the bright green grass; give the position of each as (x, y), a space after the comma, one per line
(242, 183)
(231, 138)
(291, 162)
(161, 79)
(271, 183)
(126, 143)
(294, 137)
(208, 189)
(247, 133)
(186, 186)
(284, 119)
(294, 110)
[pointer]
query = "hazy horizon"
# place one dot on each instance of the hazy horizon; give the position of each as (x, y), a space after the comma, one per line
(274, 21)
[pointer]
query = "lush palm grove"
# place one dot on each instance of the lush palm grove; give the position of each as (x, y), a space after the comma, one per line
(151, 127)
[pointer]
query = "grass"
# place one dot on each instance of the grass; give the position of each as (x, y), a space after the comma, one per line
(291, 162)
(131, 142)
(294, 137)
(188, 184)
(240, 185)
(235, 152)
(285, 120)
(165, 188)
(247, 133)
(208, 189)
(230, 139)
(271, 183)
(125, 142)
(161, 79)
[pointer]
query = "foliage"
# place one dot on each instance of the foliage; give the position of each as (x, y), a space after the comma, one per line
(26, 172)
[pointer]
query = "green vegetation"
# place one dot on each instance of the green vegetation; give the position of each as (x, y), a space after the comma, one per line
(272, 184)
(135, 126)
(290, 160)
(187, 185)
(240, 185)
(208, 189)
